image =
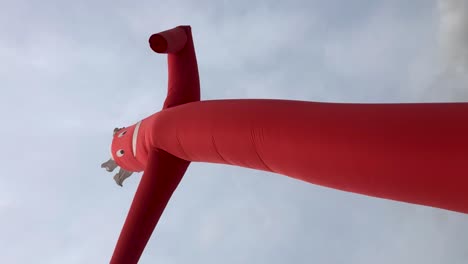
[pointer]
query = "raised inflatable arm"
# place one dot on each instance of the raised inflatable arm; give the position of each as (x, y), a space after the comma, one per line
(183, 80)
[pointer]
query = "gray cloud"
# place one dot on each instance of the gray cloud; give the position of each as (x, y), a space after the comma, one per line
(453, 38)
(453, 33)
(449, 81)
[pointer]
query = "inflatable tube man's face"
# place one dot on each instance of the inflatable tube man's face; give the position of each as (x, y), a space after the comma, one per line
(123, 151)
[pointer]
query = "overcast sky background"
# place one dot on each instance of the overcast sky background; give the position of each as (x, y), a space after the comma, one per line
(71, 71)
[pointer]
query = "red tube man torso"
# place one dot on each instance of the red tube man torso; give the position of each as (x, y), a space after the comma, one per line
(416, 153)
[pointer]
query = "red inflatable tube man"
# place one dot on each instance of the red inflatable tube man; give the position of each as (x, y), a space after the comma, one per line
(415, 153)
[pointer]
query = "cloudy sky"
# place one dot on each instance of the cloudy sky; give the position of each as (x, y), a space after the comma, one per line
(72, 71)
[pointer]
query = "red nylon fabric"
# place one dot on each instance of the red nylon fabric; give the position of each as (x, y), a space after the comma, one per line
(122, 141)
(151, 198)
(415, 153)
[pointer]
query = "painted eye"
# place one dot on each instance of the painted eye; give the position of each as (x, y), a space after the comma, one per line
(122, 133)
(116, 130)
(120, 153)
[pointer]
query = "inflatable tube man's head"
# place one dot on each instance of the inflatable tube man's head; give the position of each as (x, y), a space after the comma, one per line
(123, 153)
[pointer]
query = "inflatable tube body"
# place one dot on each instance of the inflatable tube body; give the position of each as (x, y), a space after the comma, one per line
(415, 153)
